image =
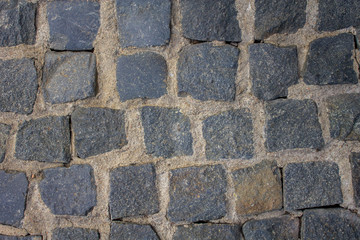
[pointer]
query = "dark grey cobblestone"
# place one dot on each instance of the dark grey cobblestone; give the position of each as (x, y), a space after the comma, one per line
(208, 232)
(355, 172)
(5, 237)
(121, 231)
(75, 234)
(4, 135)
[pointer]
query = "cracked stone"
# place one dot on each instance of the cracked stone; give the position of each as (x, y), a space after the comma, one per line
(4, 135)
(355, 172)
(75, 234)
(208, 232)
(132, 231)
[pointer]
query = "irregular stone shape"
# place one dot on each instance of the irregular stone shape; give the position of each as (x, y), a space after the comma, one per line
(69, 76)
(132, 231)
(13, 191)
(73, 25)
(167, 132)
(44, 139)
(17, 23)
(334, 15)
(206, 20)
(143, 23)
(208, 72)
(141, 75)
(18, 85)
(311, 184)
(5, 237)
(292, 124)
(278, 16)
(335, 223)
(284, 227)
(4, 135)
(229, 135)
(98, 130)
(344, 116)
(272, 70)
(197, 194)
(355, 172)
(208, 232)
(133, 191)
(330, 61)
(257, 189)
(75, 234)
(69, 191)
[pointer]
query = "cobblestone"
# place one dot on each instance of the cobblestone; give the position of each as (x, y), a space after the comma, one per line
(132, 231)
(355, 171)
(208, 232)
(75, 234)
(4, 135)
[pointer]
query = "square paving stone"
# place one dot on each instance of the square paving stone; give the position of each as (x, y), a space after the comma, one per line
(229, 135)
(258, 189)
(4, 135)
(13, 191)
(197, 194)
(69, 76)
(344, 116)
(143, 23)
(44, 139)
(208, 72)
(17, 24)
(5, 237)
(18, 85)
(98, 130)
(272, 70)
(311, 184)
(330, 61)
(167, 132)
(209, 20)
(132, 231)
(208, 232)
(75, 234)
(133, 191)
(324, 224)
(141, 75)
(355, 172)
(278, 16)
(69, 191)
(284, 227)
(73, 24)
(292, 124)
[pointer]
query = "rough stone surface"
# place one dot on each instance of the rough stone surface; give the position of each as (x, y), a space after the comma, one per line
(143, 23)
(229, 135)
(208, 232)
(284, 227)
(17, 24)
(323, 224)
(75, 234)
(311, 184)
(18, 85)
(257, 189)
(197, 194)
(5, 237)
(69, 76)
(292, 124)
(278, 16)
(272, 70)
(141, 75)
(344, 116)
(167, 132)
(98, 130)
(133, 191)
(44, 139)
(209, 20)
(330, 61)
(355, 172)
(4, 135)
(132, 231)
(13, 191)
(69, 191)
(73, 24)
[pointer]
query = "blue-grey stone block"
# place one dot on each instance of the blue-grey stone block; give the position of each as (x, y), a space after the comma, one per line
(4, 135)
(355, 173)
(128, 231)
(75, 234)
(208, 232)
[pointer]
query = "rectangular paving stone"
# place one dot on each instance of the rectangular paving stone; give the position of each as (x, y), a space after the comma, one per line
(98, 130)
(229, 135)
(75, 234)
(330, 61)
(197, 194)
(69, 191)
(133, 191)
(208, 232)
(208, 72)
(258, 189)
(5, 237)
(73, 24)
(18, 85)
(272, 70)
(4, 135)
(141, 75)
(143, 23)
(13, 192)
(69, 76)
(311, 184)
(210, 20)
(355, 172)
(127, 231)
(292, 124)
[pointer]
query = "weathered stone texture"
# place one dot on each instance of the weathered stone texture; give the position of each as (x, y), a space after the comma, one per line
(208, 232)
(208, 72)
(4, 135)
(197, 194)
(355, 172)
(75, 234)
(132, 231)
(5, 237)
